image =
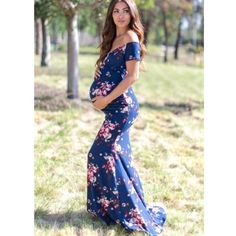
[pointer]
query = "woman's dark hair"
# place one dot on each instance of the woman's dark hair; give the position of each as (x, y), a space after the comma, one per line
(109, 30)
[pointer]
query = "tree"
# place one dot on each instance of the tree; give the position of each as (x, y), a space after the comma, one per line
(94, 27)
(70, 9)
(164, 6)
(38, 36)
(200, 11)
(196, 21)
(57, 29)
(172, 11)
(183, 7)
(43, 10)
(148, 15)
(100, 14)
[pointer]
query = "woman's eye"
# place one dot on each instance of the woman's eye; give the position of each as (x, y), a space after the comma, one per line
(124, 11)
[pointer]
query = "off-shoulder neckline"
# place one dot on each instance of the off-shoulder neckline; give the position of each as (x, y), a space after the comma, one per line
(121, 46)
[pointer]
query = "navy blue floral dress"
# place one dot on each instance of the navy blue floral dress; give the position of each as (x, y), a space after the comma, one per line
(114, 191)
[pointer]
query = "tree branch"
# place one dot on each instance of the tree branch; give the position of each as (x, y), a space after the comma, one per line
(68, 7)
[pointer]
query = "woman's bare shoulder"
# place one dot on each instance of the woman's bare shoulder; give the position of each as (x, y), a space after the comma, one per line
(130, 36)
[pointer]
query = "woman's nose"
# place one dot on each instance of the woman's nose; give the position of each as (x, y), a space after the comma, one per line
(121, 14)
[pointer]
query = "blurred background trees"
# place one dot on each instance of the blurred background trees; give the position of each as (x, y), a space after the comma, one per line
(172, 26)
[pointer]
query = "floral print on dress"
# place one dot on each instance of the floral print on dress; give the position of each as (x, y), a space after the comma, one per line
(110, 164)
(105, 131)
(114, 189)
(136, 218)
(104, 203)
(103, 89)
(92, 170)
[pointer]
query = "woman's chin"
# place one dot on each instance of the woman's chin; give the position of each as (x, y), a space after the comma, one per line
(122, 25)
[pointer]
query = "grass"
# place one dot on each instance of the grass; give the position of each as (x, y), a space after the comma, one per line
(167, 145)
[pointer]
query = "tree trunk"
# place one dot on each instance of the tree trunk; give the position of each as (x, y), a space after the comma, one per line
(147, 19)
(166, 36)
(147, 25)
(178, 39)
(72, 57)
(46, 43)
(202, 32)
(38, 36)
(194, 27)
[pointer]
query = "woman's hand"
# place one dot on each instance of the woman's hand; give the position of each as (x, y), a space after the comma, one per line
(97, 73)
(100, 102)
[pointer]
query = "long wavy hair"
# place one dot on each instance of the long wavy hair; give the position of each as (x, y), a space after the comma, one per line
(109, 30)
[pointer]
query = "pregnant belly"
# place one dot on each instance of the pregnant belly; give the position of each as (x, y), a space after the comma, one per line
(105, 83)
(101, 88)
(125, 103)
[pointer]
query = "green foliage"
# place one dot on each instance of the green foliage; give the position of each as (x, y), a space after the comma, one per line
(59, 22)
(89, 19)
(145, 4)
(45, 9)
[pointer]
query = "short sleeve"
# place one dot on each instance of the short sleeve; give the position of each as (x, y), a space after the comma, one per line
(132, 51)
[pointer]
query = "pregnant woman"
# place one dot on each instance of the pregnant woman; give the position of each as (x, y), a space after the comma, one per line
(114, 192)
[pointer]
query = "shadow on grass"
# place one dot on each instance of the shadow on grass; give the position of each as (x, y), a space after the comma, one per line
(52, 99)
(43, 219)
(48, 98)
(79, 220)
(175, 108)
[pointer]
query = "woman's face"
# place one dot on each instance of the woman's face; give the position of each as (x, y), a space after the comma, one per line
(121, 15)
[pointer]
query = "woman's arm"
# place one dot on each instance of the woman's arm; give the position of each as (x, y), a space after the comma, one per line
(132, 75)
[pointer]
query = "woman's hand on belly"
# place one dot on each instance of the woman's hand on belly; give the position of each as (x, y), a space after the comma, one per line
(100, 102)
(97, 73)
